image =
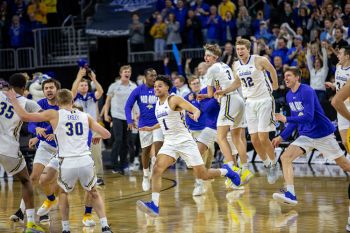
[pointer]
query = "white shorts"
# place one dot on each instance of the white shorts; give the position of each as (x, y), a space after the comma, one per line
(12, 165)
(76, 168)
(343, 123)
(260, 115)
(54, 163)
(231, 111)
(328, 146)
(148, 138)
(207, 136)
(44, 153)
(187, 150)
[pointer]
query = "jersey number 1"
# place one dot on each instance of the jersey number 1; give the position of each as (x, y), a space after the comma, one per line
(74, 128)
(165, 126)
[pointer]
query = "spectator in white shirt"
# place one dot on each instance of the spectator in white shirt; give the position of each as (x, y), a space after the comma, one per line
(318, 72)
(181, 87)
(117, 95)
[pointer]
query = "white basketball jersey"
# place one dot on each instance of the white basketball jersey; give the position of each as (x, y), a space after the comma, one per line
(255, 83)
(341, 77)
(172, 123)
(220, 75)
(10, 126)
(72, 133)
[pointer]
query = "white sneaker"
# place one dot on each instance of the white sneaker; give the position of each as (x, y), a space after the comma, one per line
(146, 185)
(347, 227)
(198, 188)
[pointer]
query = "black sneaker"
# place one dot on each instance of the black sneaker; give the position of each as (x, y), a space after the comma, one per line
(44, 219)
(18, 216)
(100, 181)
(65, 231)
(106, 230)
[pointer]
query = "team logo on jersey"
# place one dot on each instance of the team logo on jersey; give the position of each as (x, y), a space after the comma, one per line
(149, 106)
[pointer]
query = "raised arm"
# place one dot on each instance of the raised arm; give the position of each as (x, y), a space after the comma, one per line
(96, 127)
(99, 89)
(80, 75)
(179, 103)
(339, 98)
(309, 58)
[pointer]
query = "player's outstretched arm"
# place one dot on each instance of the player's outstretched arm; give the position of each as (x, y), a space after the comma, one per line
(179, 102)
(96, 127)
(47, 115)
(234, 86)
(339, 98)
(266, 64)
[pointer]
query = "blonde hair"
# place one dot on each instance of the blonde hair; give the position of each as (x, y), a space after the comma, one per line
(192, 78)
(64, 97)
(213, 48)
(244, 42)
(126, 67)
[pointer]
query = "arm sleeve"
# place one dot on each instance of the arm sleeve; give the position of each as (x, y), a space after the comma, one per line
(287, 132)
(309, 108)
(129, 105)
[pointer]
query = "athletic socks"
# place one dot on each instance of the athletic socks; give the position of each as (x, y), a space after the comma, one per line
(104, 222)
(155, 198)
(30, 215)
(267, 162)
(146, 172)
(65, 226)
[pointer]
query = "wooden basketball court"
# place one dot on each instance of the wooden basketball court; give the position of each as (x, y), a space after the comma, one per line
(321, 192)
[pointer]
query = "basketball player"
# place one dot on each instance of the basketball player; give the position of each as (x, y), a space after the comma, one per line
(10, 156)
(260, 106)
(177, 142)
(342, 75)
(231, 116)
(338, 103)
(146, 100)
(71, 128)
(315, 132)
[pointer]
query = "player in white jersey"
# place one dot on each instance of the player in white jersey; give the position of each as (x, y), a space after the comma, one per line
(250, 71)
(342, 75)
(231, 116)
(339, 103)
(10, 155)
(178, 142)
(71, 128)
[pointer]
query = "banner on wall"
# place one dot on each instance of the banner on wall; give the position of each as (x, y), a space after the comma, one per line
(112, 18)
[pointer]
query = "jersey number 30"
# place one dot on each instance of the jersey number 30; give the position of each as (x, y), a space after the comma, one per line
(6, 110)
(74, 128)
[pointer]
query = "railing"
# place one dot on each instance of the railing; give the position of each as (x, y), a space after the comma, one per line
(60, 46)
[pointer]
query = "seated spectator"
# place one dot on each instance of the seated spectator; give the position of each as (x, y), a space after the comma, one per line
(213, 27)
(16, 33)
(180, 85)
(136, 33)
(158, 32)
(226, 6)
(243, 22)
(38, 10)
(228, 28)
(173, 32)
(281, 50)
(318, 72)
(193, 30)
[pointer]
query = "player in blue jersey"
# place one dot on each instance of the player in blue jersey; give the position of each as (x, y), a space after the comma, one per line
(315, 132)
(146, 100)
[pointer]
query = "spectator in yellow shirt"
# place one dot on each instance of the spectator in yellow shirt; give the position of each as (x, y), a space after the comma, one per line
(158, 32)
(226, 5)
(38, 10)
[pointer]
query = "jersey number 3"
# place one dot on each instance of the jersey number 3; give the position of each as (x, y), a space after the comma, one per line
(74, 128)
(6, 110)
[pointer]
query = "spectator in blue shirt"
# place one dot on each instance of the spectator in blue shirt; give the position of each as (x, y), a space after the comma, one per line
(281, 51)
(295, 51)
(228, 28)
(213, 26)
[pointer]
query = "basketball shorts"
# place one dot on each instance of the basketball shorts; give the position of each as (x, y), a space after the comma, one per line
(44, 153)
(187, 150)
(148, 138)
(260, 115)
(231, 111)
(72, 169)
(328, 146)
(12, 165)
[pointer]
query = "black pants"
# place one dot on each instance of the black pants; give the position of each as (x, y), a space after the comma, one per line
(120, 145)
